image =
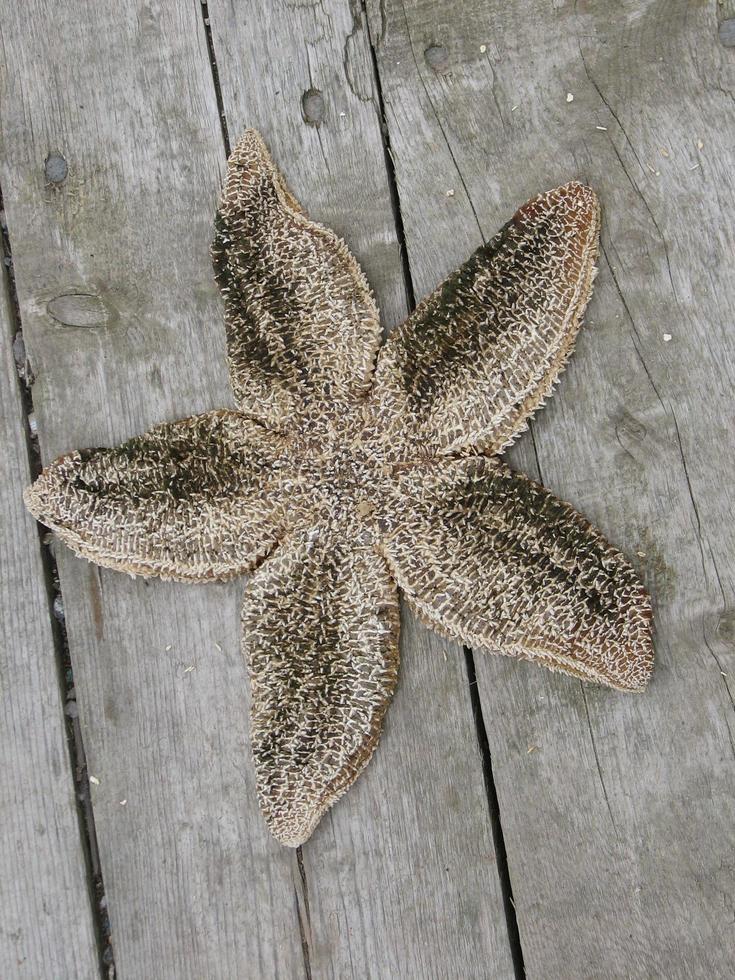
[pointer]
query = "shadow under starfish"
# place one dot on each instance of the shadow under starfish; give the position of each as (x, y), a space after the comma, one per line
(348, 471)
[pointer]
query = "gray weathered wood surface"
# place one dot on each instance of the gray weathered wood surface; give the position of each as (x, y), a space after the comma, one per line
(617, 812)
(45, 919)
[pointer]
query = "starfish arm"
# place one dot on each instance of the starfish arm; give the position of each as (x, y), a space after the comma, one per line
(193, 500)
(320, 635)
(482, 352)
(487, 556)
(301, 321)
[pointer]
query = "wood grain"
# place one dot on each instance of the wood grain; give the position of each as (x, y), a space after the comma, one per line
(196, 887)
(46, 927)
(617, 811)
(401, 876)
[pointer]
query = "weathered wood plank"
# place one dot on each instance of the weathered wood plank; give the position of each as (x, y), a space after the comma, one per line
(726, 22)
(404, 865)
(46, 927)
(617, 811)
(124, 92)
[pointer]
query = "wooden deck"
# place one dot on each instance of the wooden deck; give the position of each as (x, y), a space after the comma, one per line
(512, 819)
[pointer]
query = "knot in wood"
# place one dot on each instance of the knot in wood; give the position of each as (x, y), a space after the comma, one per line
(437, 58)
(312, 106)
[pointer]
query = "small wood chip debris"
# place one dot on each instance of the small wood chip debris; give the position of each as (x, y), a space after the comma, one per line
(667, 338)
(483, 48)
(570, 97)
(123, 802)
(695, 167)
(218, 646)
(188, 670)
(603, 129)
(94, 781)
(663, 151)
(700, 144)
(169, 647)
(450, 192)
(513, 108)
(531, 748)
(653, 170)
(641, 554)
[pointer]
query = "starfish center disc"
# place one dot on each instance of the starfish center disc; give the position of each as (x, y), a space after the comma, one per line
(342, 476)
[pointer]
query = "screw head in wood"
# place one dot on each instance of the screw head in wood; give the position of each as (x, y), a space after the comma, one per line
(55, 168)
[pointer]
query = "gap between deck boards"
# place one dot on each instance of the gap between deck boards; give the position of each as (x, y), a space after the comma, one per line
(64, 666)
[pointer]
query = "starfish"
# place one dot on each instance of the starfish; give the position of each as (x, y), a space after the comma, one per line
(349, 470)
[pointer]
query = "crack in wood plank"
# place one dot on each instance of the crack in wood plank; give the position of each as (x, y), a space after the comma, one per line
(34, 951)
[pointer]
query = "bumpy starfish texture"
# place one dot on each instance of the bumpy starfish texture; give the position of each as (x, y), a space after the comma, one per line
(333, 483)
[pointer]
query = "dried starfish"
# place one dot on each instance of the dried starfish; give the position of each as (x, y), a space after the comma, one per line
(336, 481)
